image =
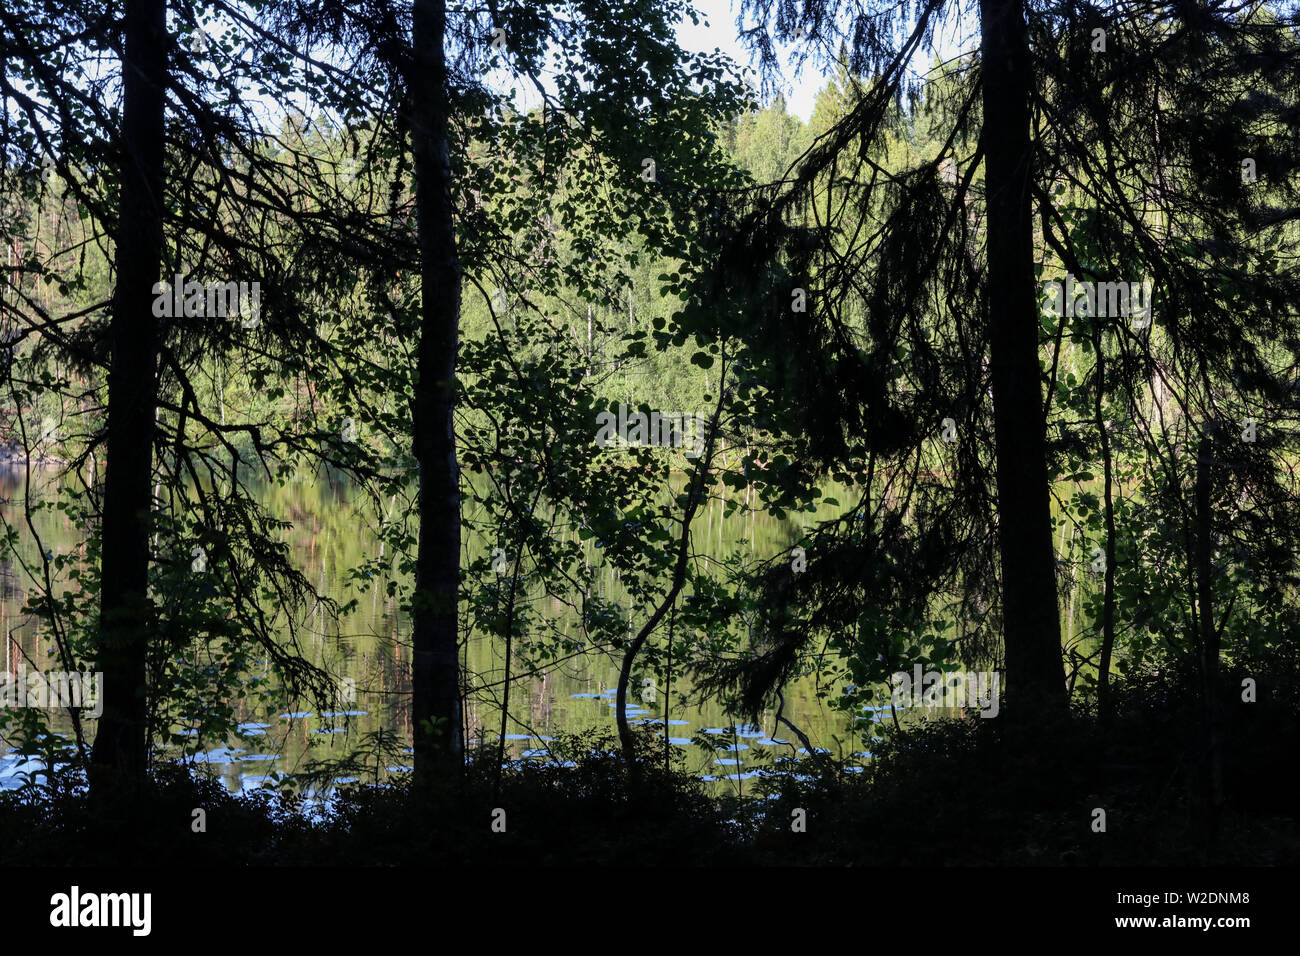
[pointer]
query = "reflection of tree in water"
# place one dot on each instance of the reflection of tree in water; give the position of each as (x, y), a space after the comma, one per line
(7, 585)
(20, 632)
(10, 588)
(11, 479)
(17, 628)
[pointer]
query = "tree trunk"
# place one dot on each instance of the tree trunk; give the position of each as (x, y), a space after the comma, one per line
(436, 693)
(1031, 627)
(119, 758)
(699, 482)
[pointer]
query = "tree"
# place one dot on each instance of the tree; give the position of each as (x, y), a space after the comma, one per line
(880, 295)
(436, 690)
(119, 757)
(176, 481)
(1031, 629)
(620, 83)
(894, 255)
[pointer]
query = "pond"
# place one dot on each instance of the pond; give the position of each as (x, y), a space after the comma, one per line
(370, 649)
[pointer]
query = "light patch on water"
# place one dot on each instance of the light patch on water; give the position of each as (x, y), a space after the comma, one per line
(221, 760)
(728, 762)
(298, 715)
(258, 757)
(219, 756)
(400, 769)
(17, 764)
(344, 713)
(518, 737)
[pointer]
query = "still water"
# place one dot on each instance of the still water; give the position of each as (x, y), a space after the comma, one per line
(330, 535)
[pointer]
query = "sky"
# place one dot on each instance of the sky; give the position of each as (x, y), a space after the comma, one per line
(717, 29)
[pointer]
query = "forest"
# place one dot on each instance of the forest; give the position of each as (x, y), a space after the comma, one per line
(474, 431)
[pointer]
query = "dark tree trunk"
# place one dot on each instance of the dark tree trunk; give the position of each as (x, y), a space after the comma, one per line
(1035, 675)
(118, 761)
(436, 692)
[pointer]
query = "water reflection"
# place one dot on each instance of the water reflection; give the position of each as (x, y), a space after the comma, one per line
(371, 648)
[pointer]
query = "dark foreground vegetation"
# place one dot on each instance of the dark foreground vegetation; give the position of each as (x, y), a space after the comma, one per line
(955, 793)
